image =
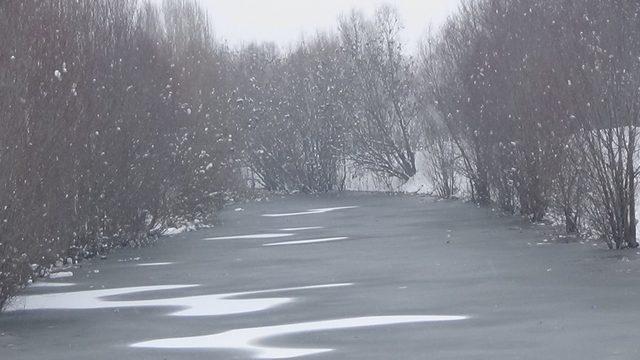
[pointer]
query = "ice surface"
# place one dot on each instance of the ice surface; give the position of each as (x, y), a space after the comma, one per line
(250, 339)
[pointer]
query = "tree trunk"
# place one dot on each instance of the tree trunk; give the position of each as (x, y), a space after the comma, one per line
(630, 232)
(570, 221)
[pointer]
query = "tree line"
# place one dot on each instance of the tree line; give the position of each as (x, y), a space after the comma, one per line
(118, 116)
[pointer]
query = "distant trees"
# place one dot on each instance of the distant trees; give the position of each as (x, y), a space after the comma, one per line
(290, 117)
(315, 84)
(329, 102)
(257, 116)
(381, 94)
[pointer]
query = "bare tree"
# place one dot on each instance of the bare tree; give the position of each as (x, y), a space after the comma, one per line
(382, 92)
(443, 63)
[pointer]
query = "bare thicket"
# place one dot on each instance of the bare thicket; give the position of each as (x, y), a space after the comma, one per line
(108, 129)
(604, 51)
(541, 100)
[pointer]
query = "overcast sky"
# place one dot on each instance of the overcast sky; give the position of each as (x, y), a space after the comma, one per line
(283, 21)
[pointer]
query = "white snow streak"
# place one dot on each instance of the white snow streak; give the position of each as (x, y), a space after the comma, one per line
(311, 241)
(51, 284)
(252, 236)
(155, 264)
(249, 339)
(303, 228)
(311, 211)
(199, 305)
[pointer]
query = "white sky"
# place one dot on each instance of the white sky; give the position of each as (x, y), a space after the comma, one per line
(284, 21)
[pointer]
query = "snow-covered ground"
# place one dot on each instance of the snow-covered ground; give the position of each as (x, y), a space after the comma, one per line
(184, 227)
(60, 274)
(420, 183)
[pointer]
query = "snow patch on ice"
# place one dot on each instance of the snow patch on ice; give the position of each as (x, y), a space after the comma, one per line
(51, 284)
(252, 236)
(198, 305)
(324, 210)
(311, 241)
(86, 299)
(303, 228)
(250, 339)
(311, 211)
(155, 264)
